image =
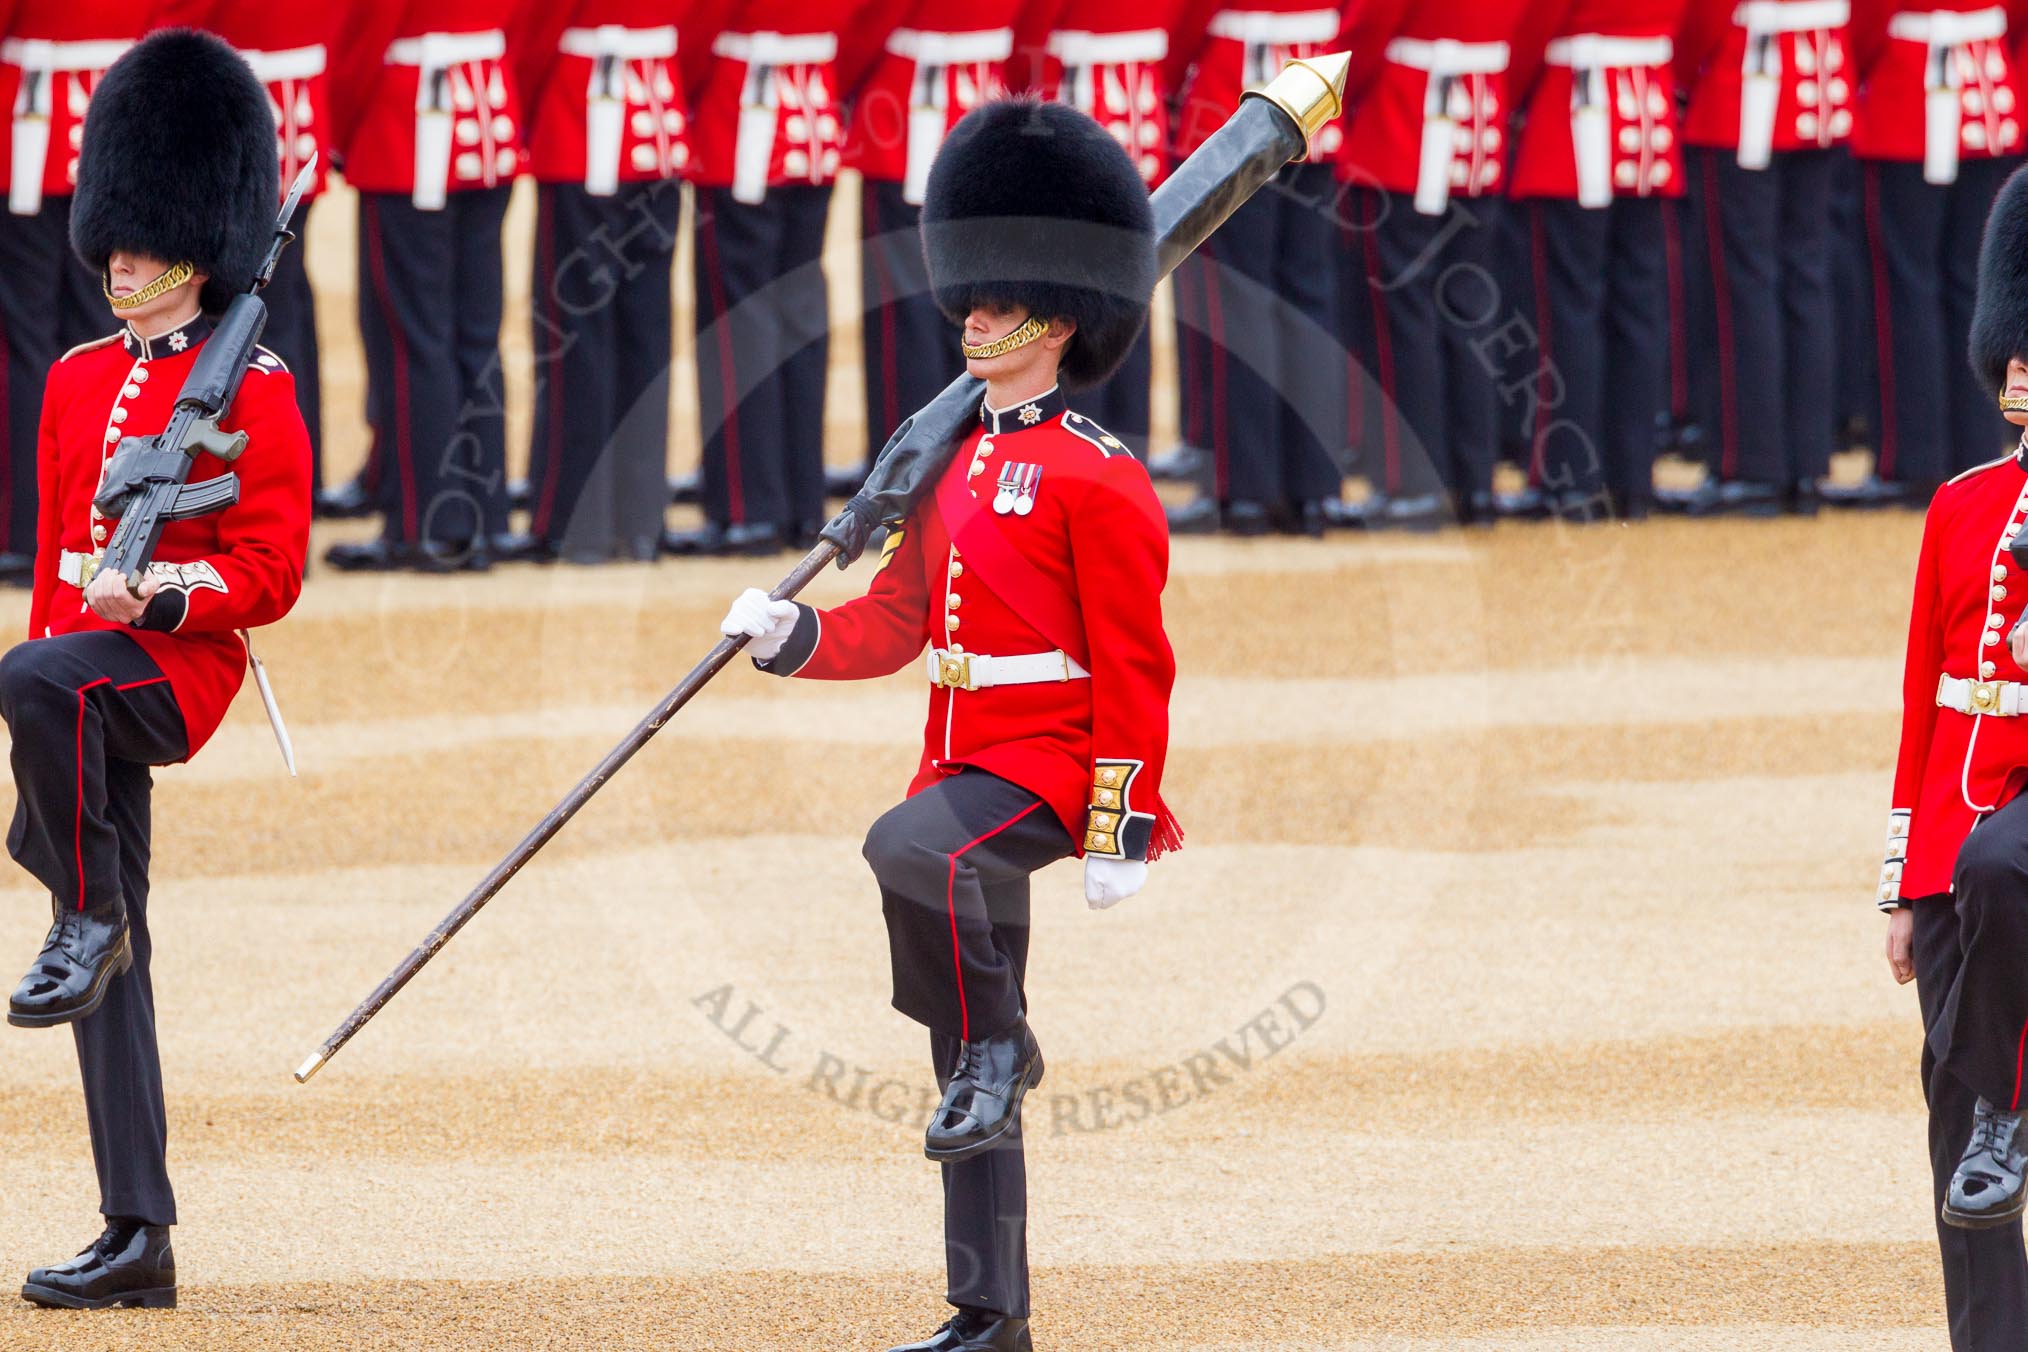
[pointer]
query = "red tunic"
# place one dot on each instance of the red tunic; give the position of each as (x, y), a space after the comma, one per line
(938, 61)
(1219, 50)
(1431, 108)
(768, 101)
(1936, 83)
(605, 90)
(1599, 87)
(464, 131)
(1108, 59)
(1802, 77)
(1096, 549)
(289, 48)
(239, 569)
(61, 48)
(1969, 593)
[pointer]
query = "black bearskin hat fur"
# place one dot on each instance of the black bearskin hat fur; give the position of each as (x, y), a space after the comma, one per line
(179, 162)
(1034, 205)
(2000, 320)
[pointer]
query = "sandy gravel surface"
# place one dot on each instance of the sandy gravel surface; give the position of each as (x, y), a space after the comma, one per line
(1519, 988)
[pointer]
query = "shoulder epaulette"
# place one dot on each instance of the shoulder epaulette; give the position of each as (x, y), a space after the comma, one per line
(1979, 469)
(264, 360)
(1079, 425)
(94, 344)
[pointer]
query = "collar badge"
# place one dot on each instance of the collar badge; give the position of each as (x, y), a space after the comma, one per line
(1031, 414)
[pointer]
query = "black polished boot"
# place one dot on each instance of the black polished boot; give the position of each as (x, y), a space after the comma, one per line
(130, 1264)
(983, 1100)
(1869, 494)
(17, 570)
(1986, 1190)
(349, 499)
(843, 483)
(423, 556)
(85, 950)
(713, 540)
(685, 489)
(1180, 465)
(975, 1331)
(1417, 512)
(1199, 516)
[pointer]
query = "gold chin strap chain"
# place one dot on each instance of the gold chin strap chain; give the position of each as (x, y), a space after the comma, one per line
(176, 275)
(2014, 404)
(1031, 330)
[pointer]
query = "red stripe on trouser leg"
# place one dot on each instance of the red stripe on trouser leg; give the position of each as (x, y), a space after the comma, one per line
(77, 828)
(2020, 1046)
(1679, 341)
(951, 905)
(1728, 391)
(1883, 329)
(1383, 356)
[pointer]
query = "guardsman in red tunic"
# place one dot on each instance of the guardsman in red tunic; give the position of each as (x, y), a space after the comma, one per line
(1772, 95)
(1426, 151)
(1940, 126)
(1109, 59)
(52, 53)
(289, 48)
(1262, 289)
(609, 128)
(1955, 881)
(1033, 575)
(428, 123)
(911, 68)
(1598, 167)
(177, 180)
(767, 138)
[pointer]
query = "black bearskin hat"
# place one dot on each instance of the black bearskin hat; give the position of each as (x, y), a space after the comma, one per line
(2000, 320)
(179, 162)
(1035, 205)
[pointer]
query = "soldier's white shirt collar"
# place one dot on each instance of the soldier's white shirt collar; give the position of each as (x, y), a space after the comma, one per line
(1024, 415)
(182, 338)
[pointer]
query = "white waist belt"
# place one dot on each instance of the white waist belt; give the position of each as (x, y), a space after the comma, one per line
(43, 55)
(76, 568)
(1445, 57)
(1602, 51)
(1772, 16)
(951, 49)
(1269, 27)
(1074, 47)
(2001, 699)
(437, 50)
(294, 63)
(624, 44)
(976, 671)
(1949, 28)
(777, 49)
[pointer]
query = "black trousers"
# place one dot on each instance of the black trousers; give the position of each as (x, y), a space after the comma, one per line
(1933, 417)
(598, 458)
(291, 332)
(1433, 296)
(1601, 317)
(88, 714)
(429, 315)
(1268, 398)
(1764, 350)
(953, 864)
(1959, 948)
(1124, 403)
(49, 303)
(911, 350)
(1853, 397)
(1193, 349)
(763, 341)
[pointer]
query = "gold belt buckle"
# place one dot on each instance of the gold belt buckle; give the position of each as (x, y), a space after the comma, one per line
(88, 568)
(1985, 697)
(954, 671)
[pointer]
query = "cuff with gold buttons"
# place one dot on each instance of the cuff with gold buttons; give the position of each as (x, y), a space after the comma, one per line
(1113, 830)
(1896, 857)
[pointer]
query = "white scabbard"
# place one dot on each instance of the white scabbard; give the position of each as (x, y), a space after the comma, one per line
(30, 143)
(1942, 109)
(267, 689)
(604, 121)
(1591, 134)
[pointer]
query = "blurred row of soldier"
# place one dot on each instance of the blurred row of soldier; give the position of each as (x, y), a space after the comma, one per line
(1556, 232)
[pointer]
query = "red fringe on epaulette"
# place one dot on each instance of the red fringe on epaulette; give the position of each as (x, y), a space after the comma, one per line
(1168, 832)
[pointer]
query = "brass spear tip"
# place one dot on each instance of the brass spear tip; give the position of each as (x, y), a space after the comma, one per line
(1311, 91)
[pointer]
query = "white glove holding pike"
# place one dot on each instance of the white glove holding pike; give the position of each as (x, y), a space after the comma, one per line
(766, 623)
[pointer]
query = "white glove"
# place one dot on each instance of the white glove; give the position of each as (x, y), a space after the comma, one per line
(767, 623)
(1112, 880)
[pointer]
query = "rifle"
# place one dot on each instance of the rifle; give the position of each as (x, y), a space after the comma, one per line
(147, 481)
(1271, 128)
